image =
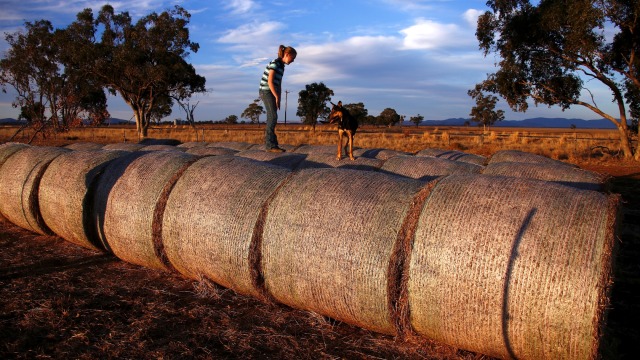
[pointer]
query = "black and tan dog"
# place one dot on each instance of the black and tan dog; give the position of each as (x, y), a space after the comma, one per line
(347, 124)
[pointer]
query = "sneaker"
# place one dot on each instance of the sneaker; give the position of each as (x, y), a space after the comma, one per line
(275, 150)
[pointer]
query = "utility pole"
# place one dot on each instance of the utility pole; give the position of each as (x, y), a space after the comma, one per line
(286, 95)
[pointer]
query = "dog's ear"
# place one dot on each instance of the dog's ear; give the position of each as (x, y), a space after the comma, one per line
(332, 103)
(340, 103)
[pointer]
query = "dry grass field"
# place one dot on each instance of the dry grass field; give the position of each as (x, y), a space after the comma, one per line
(61, 301)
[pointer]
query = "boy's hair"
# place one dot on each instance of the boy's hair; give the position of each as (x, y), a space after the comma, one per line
(286, 50)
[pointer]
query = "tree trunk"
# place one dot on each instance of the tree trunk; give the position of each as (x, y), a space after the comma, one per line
(625, 144)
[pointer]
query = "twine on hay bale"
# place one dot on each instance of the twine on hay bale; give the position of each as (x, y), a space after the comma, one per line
(84, 146)
(233, 145)
(524, 157)
(567, 175)
(66, 194)
(133, 211)
(512, 267)
(287, 160)
(326, 160)
(20, 177)
(8, 149)
(123, 146)
(211, 151)
(382, 154)
(427, 168)
(210, 227)
(329, 244)
(453, 155)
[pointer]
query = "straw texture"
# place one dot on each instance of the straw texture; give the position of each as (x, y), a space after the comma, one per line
(556, 172)
(132, 205)
(65, 195)
(318, 149)
(211, 216)
(123, 146)
(427, 168)
(84, 146)
(8, 149)
(512, 267)
(325, 160)
(20, 177)
(162, 148)
(524, 157)
(234, 145)
(287, 160)
(382, 154)
(453, 155)
(329, 240)
(211, 151)
(193, 144)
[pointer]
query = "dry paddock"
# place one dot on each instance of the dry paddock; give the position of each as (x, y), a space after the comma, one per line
(491, 264)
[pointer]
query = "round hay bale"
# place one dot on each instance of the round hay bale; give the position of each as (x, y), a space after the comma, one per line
(133, 210)
(211, 151)
(286, 147)
(512, 267)
(382, 154)
(123, 146)
(66, 194)
(8, 149)
(524, 157)
(211, 220)
(84, 146)
(233, 145)
(193, 144)
(560, 173)
(453, 155)
(329, 243)
(151, 141)
(20, 177)
(162, 148)
(287, 160)
(325, 160)
(318, 149)
(427, 168)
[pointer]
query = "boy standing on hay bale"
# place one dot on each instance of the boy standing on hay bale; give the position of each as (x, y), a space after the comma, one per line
(271, 91)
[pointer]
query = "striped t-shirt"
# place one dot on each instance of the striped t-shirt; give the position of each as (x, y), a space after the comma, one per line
(278, 66)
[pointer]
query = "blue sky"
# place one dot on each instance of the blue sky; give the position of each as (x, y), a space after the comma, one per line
(417, 57)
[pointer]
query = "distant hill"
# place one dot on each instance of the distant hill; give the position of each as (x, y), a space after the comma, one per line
(10, 121)
(527, 123)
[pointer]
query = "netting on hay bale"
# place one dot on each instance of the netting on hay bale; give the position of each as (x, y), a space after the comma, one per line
(453, 155)
(123, 146)
(523, 157)
(512, 267)
(330, 240)
(162, 148)
(133, 192)
(66, 194)
(326, 160)
(212, 221)
(318, 149)
(427, 168)
(84, 146)
(20, 177)
(211, 151)
(8, 149)
(382, 154)
(286, 147)
(234, 145)
(560, 173)
(193, 144)
(287, 160)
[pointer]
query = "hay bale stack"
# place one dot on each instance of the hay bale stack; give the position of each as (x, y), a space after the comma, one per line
(84, 146)
(556, 172)
(382, 154)
(286, 147)
(20, 177)
(135, 202)
(427, 168)
(152, 141)
(211, 151)
(193, 144)
(287, 160)
(162, 148)
(211, 220)
(123, 146)
(318, 149)
(512, 267)
(326, 160)
(523, 157)
(329, 241)
(66, 194)
(233, 145)
(453, 155)
(8, 149)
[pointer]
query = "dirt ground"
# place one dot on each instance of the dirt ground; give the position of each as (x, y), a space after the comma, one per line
(61, 301)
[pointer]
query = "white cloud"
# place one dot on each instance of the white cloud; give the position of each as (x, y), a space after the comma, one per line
(254, 33)
(471, 17)
(240, 6)
(429, 35)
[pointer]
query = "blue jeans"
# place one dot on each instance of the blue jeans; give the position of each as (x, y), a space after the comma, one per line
(270, 139)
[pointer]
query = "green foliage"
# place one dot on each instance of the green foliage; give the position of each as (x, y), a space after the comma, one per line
(549, 51)
(484, 112)
(358, 111)
(312, 103)
(253, 112)
(231, 119)
(389, 117)
(417, 119)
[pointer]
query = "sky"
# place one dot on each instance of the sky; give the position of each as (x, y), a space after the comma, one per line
(417, 57)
